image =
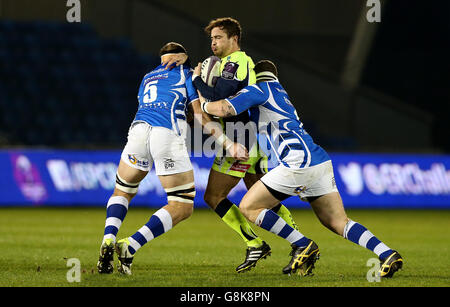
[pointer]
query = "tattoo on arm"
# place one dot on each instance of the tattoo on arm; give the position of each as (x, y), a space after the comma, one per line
(227, 109)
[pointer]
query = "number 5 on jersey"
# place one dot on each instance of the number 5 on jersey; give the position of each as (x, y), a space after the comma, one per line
(150, 92)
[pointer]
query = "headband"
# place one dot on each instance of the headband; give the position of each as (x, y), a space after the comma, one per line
(266, 75)
(177, 49)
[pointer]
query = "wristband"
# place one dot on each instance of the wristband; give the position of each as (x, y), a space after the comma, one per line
(203, 106)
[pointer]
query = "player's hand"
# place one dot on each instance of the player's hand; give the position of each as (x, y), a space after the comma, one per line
(173, 60)
(198, 69)
(238, 151)
(200, 96)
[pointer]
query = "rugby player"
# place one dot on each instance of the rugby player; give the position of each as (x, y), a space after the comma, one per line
(156, 136)
(304, 169)
(236, 73)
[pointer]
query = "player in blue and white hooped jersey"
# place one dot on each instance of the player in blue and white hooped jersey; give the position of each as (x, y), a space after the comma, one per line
(156, 136)
(304, 169)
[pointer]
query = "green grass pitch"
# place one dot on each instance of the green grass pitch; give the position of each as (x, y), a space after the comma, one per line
(202, 251)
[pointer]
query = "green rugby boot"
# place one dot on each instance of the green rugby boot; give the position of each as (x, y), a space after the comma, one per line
(105, 264)
(125, 257)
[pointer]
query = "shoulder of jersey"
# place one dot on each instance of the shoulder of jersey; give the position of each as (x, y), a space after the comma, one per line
(238, 56)
(235, 65)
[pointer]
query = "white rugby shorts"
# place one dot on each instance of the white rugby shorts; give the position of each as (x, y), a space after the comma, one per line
(148, 145)
(312, 181)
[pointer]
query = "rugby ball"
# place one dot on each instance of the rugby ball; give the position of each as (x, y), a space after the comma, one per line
(210, 70)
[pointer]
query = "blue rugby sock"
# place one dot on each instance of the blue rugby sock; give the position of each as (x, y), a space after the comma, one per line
(272, 222)
(116, 210)
(359, 234)
(159, 223)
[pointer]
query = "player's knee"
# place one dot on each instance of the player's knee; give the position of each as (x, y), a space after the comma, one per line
(183, 198)
(180, 211)
(184, 195)
(128, 196)
(245, 210)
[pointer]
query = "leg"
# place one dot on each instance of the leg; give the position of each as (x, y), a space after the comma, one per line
(129, 174)
(181, 192)
(127, 181)
(330, 211)
(256, 206)
(257, 199)
(179, 209)
(167, 151)
(219, 186)
(217, 190)
(280, 209)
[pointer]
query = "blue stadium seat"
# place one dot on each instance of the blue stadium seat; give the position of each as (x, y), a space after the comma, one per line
(73, 83)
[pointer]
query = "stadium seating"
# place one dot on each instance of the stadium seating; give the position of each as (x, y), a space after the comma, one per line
(62, 85)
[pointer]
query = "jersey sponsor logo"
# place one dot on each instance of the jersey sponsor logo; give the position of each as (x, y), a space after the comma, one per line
(299, 190)
(157, 71)
(229, 71)
(156, 77)
(238, 167)
(135, 161)
(161, 105)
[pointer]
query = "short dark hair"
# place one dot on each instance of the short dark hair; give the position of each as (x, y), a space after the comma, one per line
(172, 47)
(230, 25)
(265, 66)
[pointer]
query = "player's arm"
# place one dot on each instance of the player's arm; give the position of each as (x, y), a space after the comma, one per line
(219, 108)
(246, 98)
(212, 127)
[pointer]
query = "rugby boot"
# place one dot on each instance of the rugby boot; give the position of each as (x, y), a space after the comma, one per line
(303, 259)
(124, 256)
(253, 254)
(390, 264)
(105, 264)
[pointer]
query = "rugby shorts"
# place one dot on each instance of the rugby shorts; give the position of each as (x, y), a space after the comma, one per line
(312, 181)
(148, 145)
(256, 164)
